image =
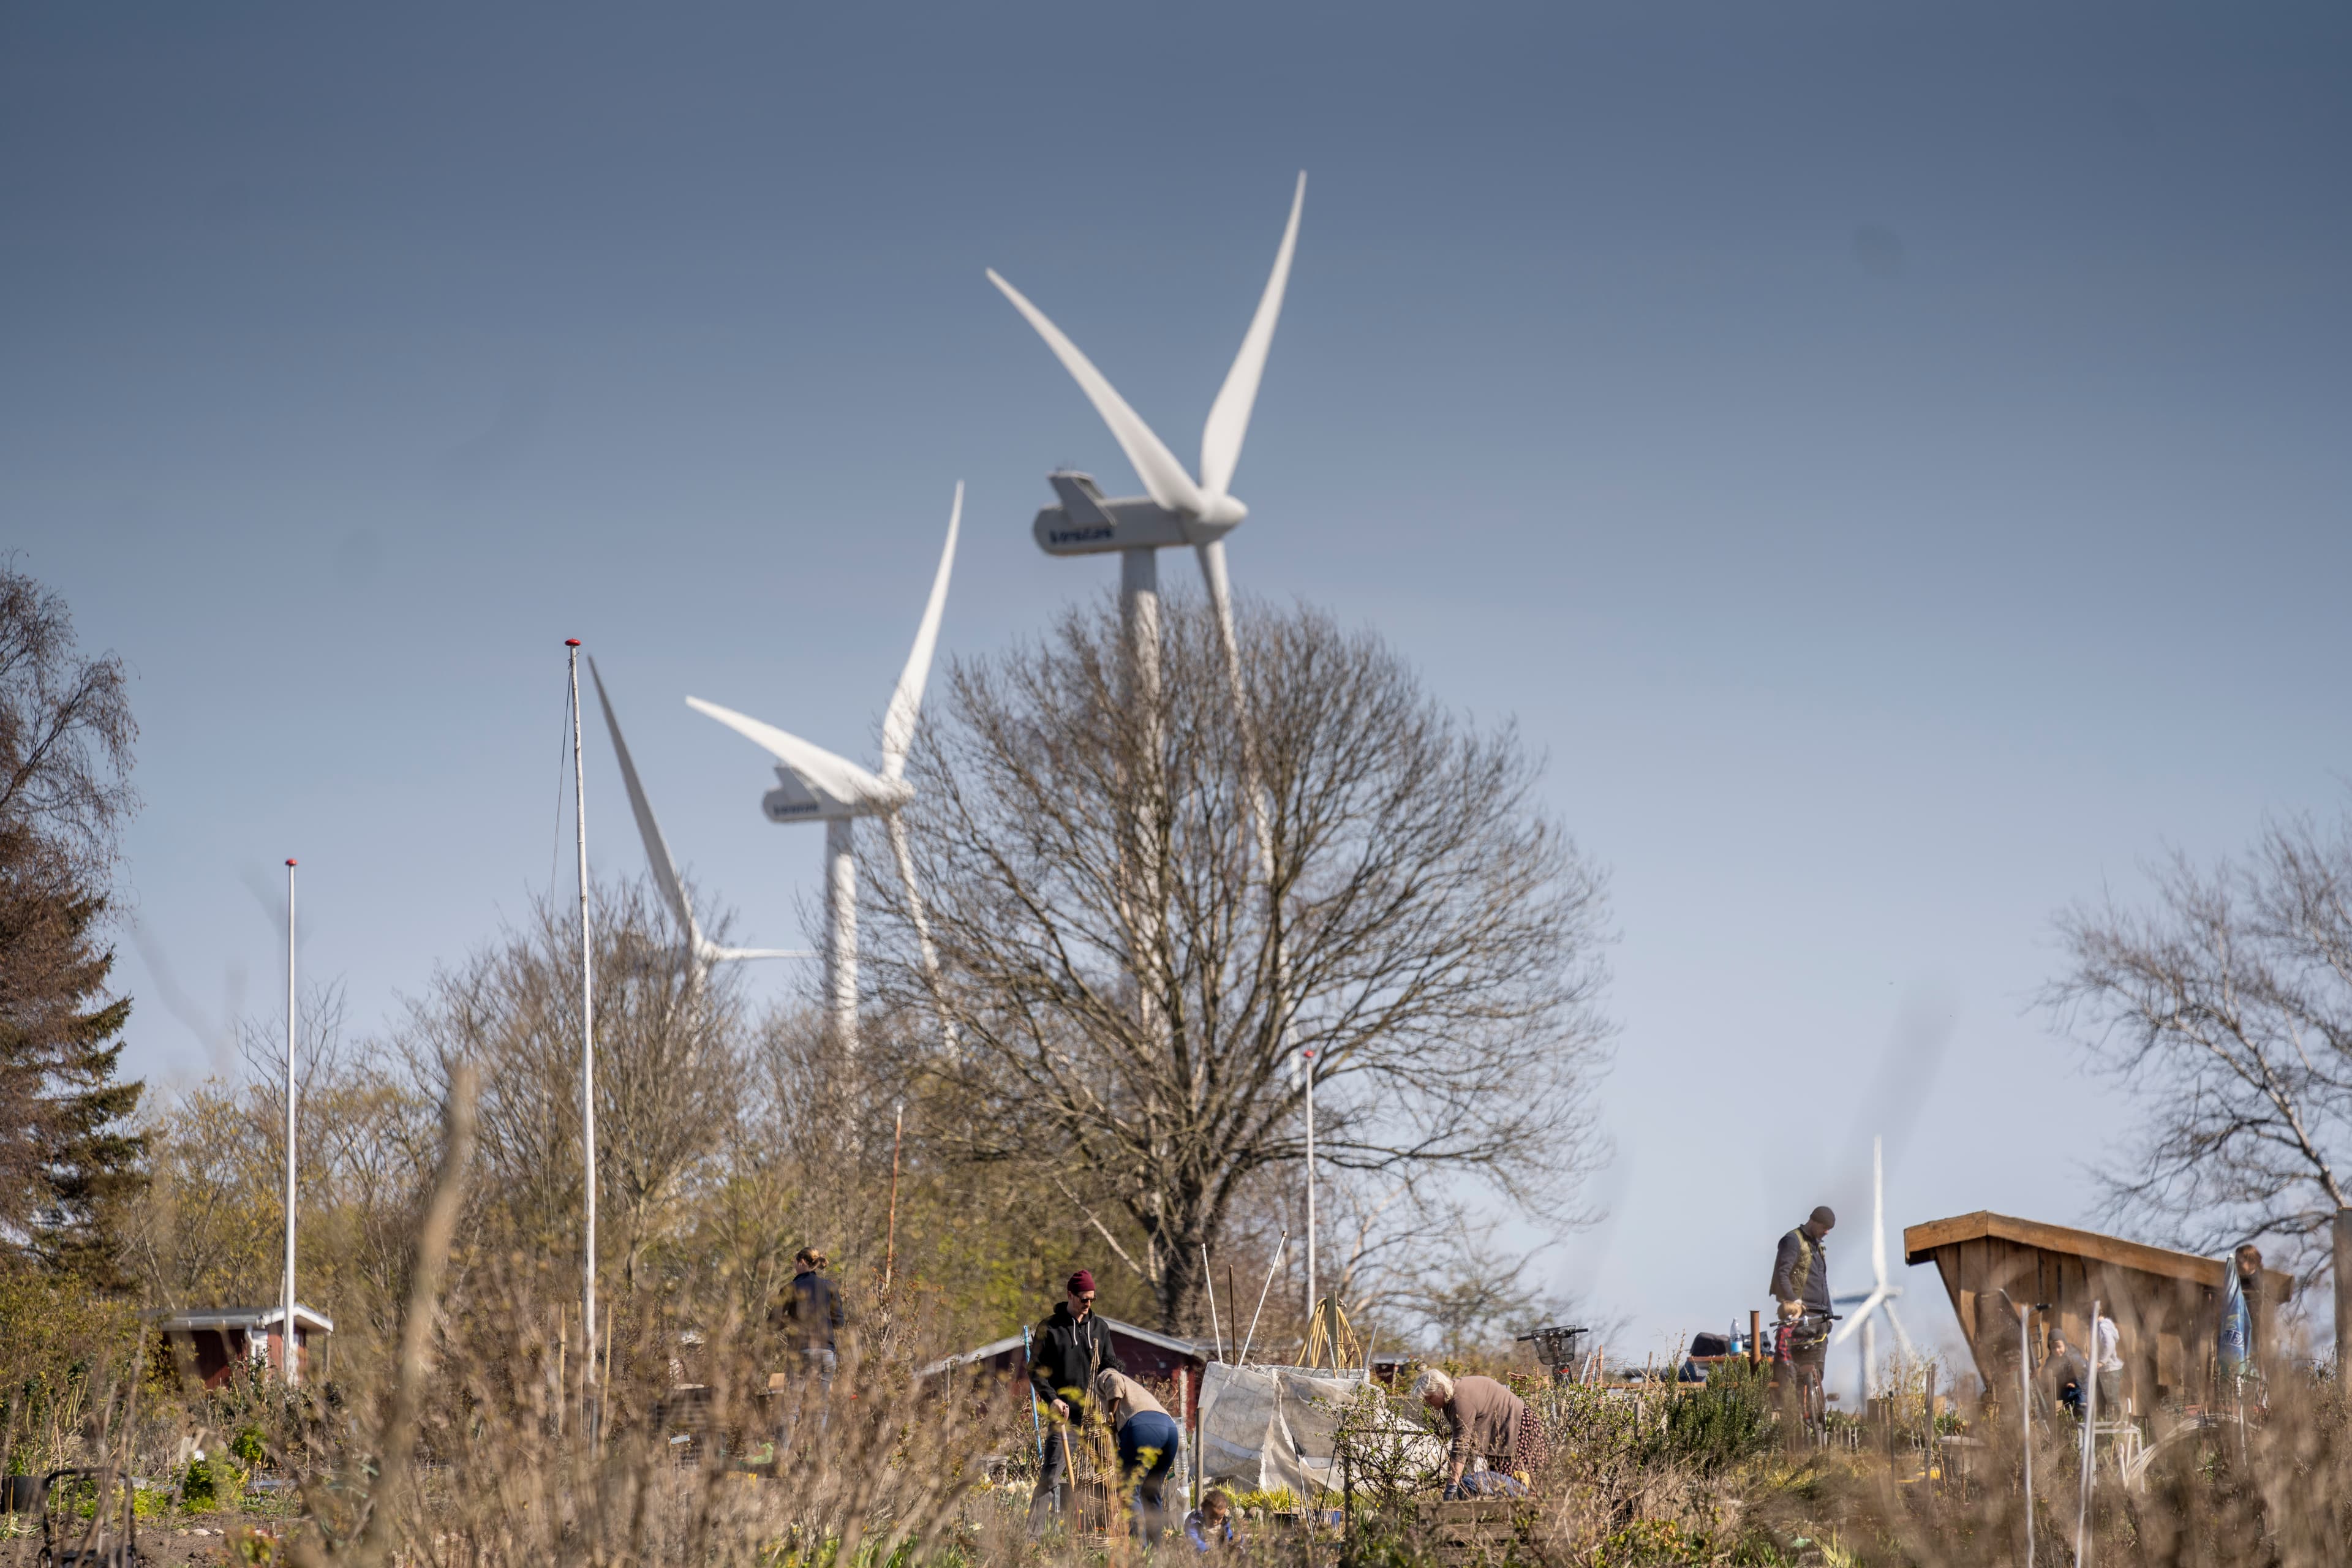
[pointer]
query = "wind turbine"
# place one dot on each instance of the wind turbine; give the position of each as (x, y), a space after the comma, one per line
(700, 949)
(1881, 1296)
(814, 784)
(1176, 509)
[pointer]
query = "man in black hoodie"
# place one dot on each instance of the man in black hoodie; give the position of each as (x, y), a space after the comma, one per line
(1065, 1351)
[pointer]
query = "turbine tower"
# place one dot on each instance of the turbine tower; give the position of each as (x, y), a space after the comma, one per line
(814, 785)
(701, 952)
(1880, 1301)
(1176, 511)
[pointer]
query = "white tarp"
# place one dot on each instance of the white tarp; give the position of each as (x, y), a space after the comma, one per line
(1266, 1426)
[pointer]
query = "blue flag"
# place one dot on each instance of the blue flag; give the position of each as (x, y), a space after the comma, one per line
(2237, 1342)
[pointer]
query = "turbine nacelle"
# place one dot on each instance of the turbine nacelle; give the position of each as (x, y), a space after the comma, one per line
(794, 799)
(1177, 507)
(1088, 523)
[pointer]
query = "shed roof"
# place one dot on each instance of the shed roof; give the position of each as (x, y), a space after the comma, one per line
(1192, 1348)
(247, 1317)
(1920, 1242)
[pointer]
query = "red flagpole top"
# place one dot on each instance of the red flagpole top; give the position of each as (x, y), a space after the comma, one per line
(570, 642)
(289, 859)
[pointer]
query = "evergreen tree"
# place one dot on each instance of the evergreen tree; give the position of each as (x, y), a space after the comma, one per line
(69, 1157)
(93, 1164)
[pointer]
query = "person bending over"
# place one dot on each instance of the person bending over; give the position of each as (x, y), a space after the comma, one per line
(1147, 1441)
(1484, 1420)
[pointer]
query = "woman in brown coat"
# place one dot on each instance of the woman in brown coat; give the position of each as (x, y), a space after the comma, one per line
(1484, 1420)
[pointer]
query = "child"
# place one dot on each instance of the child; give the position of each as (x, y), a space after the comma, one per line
(1784, 1341)
(1211, 1525)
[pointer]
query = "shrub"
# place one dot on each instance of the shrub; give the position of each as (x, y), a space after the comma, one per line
(1717, 1426)
(212, 1483)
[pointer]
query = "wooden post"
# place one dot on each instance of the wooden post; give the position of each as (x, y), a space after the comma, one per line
(891, 1246)
(1184, 1430)
(1755, 1338)
(1929, 1443)
(563, 1377)
(2343, 1291)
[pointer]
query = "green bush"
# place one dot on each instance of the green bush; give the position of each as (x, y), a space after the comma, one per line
(212, 1483)
(1713, 1427)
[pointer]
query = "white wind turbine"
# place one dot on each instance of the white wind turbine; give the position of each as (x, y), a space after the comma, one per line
(815, 786)
(701, 949)
(1176, 511)
(1880, 1301)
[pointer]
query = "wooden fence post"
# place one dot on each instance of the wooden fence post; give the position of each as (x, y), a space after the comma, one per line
(2343, 1290)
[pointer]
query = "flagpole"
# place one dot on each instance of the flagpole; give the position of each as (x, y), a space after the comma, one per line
(286, 1358)
(587, 1052)
(1310, 1199)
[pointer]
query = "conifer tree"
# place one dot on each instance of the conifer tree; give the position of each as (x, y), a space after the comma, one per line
(68, 1156)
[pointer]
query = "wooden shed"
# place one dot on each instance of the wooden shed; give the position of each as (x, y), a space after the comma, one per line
(2166, 1305)
(218, 1340)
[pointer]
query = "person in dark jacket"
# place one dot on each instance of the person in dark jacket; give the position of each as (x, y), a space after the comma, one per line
(1800, 1277)
(2064, 1373)
(1066, 1352)
(809, 1311)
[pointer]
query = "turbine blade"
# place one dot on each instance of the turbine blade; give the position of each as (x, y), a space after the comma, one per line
(746, 954)
(1221, 602)
(1909, 1352)
(907, 702)
(657, 854)
(899, 847)
(1229, 416)
(1163, 476)
(1845, 1329)
(818, 768)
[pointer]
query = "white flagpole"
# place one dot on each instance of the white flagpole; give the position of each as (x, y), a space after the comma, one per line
(1310, 1203)
(2090, 1444)
(587, 1051)
(2026, 1406)
(286, 1358)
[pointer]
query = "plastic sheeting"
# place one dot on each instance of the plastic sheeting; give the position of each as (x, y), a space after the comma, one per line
(1266, 1426)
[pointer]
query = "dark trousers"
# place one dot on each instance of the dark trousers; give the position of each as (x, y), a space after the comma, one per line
(1147, 1444)
(814, 1388)
(1055, 1472)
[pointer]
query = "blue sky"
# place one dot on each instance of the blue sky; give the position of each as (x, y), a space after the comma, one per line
(1892, 461)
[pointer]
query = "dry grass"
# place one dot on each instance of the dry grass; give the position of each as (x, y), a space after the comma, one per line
(934, 1471)
(482, 1444)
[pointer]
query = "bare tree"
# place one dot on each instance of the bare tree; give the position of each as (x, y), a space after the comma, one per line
(1423, 930)
(65, 730)
(667, 1065)
(2226, 1010)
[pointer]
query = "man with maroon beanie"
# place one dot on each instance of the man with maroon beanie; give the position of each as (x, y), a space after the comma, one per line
(1066, 1352)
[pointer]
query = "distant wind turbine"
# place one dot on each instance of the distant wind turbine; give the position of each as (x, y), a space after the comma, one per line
(814, 784)
(700, 949)
(1880, 1301)
(1176, 509)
